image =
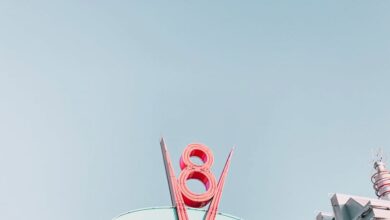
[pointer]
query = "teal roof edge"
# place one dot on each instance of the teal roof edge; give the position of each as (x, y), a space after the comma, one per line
(171, 207)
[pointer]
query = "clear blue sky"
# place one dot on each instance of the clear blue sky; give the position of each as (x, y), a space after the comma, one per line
(301, 88)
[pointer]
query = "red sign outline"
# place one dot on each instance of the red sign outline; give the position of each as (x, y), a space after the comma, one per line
(175, 186)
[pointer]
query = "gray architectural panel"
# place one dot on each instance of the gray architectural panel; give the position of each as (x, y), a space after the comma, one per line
(346, 207)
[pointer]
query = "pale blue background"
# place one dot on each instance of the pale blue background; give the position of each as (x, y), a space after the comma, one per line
(300, 87)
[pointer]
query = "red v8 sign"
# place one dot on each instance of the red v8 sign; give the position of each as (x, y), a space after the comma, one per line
(181, 195)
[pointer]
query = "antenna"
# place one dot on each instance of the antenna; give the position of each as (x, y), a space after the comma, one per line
(381, 177)
(378, 155)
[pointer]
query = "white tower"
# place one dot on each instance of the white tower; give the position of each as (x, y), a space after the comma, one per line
(381, 180)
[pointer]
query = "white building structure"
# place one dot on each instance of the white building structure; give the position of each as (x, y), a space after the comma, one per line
(347, 207)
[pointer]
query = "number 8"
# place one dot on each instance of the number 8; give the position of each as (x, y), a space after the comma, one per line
(198, 172)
